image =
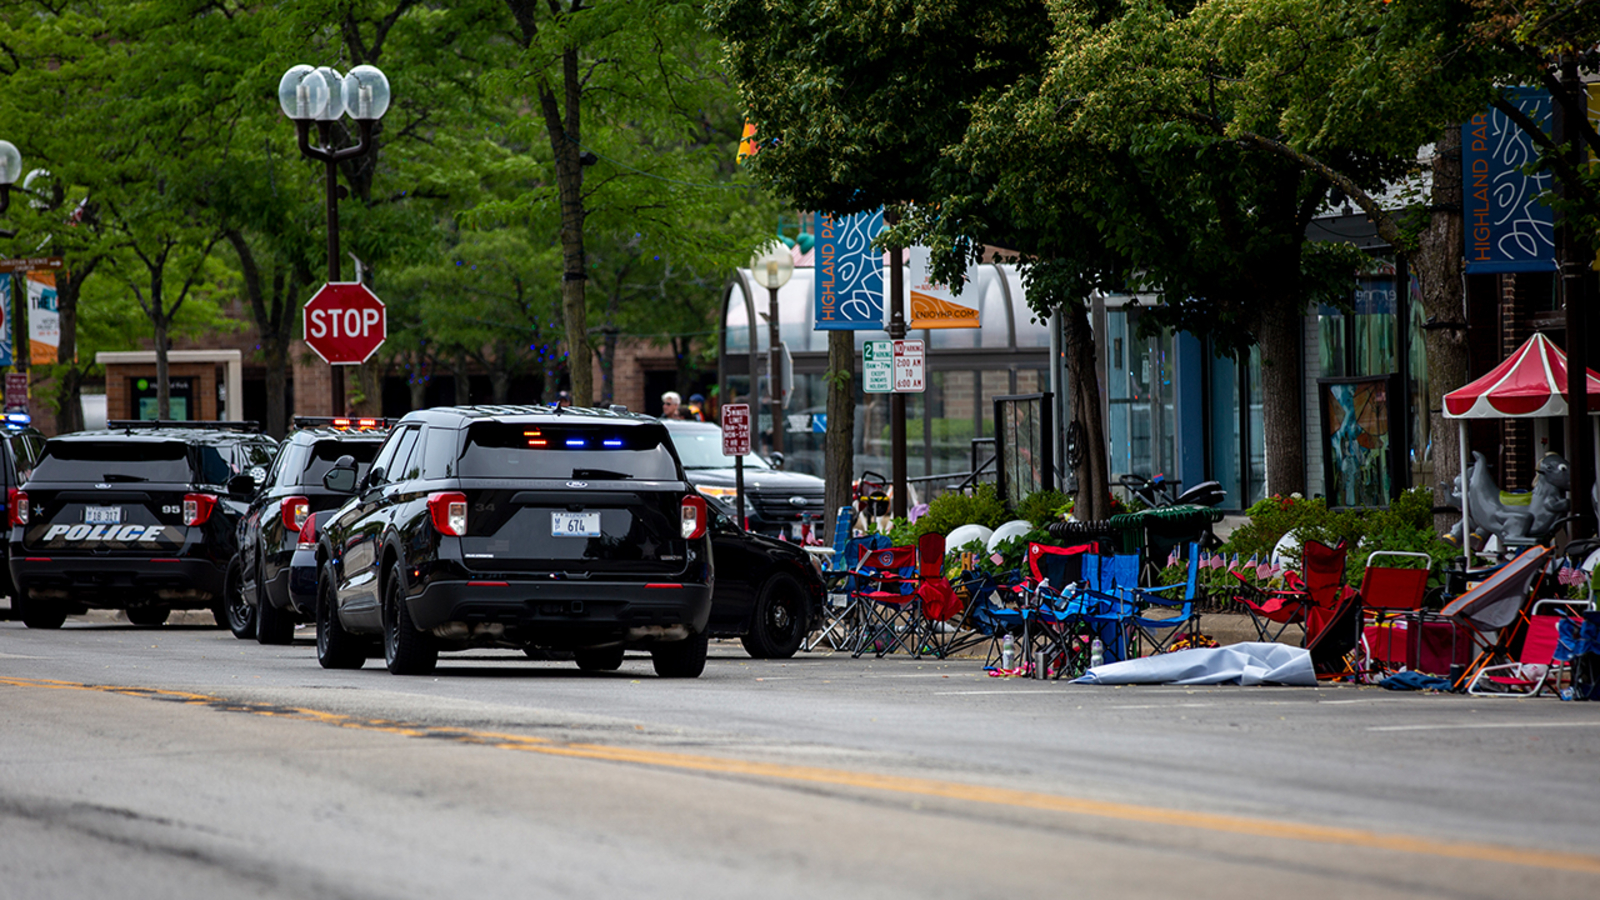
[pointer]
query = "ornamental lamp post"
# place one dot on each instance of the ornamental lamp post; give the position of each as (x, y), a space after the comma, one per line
(773, 266)
(308, 94)
(10, 168)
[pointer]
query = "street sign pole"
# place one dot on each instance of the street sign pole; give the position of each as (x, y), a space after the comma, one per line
(897, 401)
(736, 443)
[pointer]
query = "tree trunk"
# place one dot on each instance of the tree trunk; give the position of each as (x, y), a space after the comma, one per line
(69, 399)
(275, 352)
(163, 384)
(1280, 393)
(1093, 471)
(1438, 265)
(463, 385)
(839, 445)
(500, 384)
(562, 124)
(418, 385)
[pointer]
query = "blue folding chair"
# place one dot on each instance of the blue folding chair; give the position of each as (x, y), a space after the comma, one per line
(1111, 619)
(1180, 618)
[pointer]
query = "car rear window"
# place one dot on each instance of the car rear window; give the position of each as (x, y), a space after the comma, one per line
(325, 453)
(506, 450)
(115, 461)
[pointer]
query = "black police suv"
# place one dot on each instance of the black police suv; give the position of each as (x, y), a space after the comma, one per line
(20, 446)
(776, 502)
(545, 528)
(768, 592)
(140, 517)
(259, 604)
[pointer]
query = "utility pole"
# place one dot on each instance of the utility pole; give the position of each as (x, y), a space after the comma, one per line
(1573, 256)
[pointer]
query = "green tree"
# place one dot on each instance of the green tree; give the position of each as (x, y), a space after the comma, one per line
(855, 105)
(630, 92)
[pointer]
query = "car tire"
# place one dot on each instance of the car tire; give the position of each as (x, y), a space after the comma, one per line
(406, 650)
(241, 615)
(778, 621)
(336, 648)
(148, 616)
(680, 659)
(273, 625)
(599, 659)
(36, 613)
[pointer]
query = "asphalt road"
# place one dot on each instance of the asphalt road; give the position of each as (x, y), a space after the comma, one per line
(178, 762)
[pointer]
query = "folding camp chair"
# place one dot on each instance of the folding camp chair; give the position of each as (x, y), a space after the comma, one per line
(1493, 609)
(1391, 601)
(1181, 619)
(1272, 612)
(1055, 627)
(1537, 664)
(1111, 618)
(971, 627)
(891, 582)
(841, 611)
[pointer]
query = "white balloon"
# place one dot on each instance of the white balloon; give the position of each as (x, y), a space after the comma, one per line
(965, 534)
(1012, 529)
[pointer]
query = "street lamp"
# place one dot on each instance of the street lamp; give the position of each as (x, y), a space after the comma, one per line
(308, 94)
(10, 168)
(773, 266)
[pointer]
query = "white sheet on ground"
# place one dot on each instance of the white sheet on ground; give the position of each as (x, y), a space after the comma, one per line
(1253, 663)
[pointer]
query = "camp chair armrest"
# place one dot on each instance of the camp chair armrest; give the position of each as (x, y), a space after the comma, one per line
(1147, 596)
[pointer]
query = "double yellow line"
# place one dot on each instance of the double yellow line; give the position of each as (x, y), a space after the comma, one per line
(922, 787)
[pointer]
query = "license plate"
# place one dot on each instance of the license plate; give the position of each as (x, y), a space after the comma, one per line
(567, 524)
(102, 515)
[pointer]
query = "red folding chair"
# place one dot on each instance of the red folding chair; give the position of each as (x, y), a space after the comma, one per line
(1535, 667)
(893, 583)
(1397, 633)
(1322, 586)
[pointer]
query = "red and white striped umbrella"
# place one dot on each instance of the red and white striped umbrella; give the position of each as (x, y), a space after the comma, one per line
(1532, 382)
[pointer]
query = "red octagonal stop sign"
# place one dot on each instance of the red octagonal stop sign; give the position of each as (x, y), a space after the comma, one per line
(345, 323)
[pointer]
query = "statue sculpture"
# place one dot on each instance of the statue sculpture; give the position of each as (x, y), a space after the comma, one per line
(1495, 512)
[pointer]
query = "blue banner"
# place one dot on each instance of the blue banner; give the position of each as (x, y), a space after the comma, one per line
(1507, 228)
(849, 273)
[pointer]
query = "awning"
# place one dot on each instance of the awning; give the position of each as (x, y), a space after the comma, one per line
(1531, 383)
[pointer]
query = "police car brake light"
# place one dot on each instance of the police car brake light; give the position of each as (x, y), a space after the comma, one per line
(17, 506)
(308, 535)
(197, 508)
(294, 511)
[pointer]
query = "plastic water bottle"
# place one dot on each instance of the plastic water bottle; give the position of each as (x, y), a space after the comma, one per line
(1008, 653)
(1097, 653)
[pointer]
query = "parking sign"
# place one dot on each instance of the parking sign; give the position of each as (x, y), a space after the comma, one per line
(877, 367)
(736, 429)
(909, 366)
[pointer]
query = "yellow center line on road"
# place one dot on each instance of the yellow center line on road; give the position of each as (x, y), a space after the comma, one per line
(952, 790)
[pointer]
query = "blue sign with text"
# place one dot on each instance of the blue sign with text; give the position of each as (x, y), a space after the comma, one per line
(1508, 228)
(849, 273)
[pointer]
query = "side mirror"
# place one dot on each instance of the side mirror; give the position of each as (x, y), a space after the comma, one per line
(342, 477)
(242, 487)
(776, 459)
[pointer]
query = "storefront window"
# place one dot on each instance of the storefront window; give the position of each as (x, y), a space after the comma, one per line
(1141, 419)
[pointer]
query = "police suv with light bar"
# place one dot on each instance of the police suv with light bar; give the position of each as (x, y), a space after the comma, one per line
(291, 499)
(544, 528)
(139, 517)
